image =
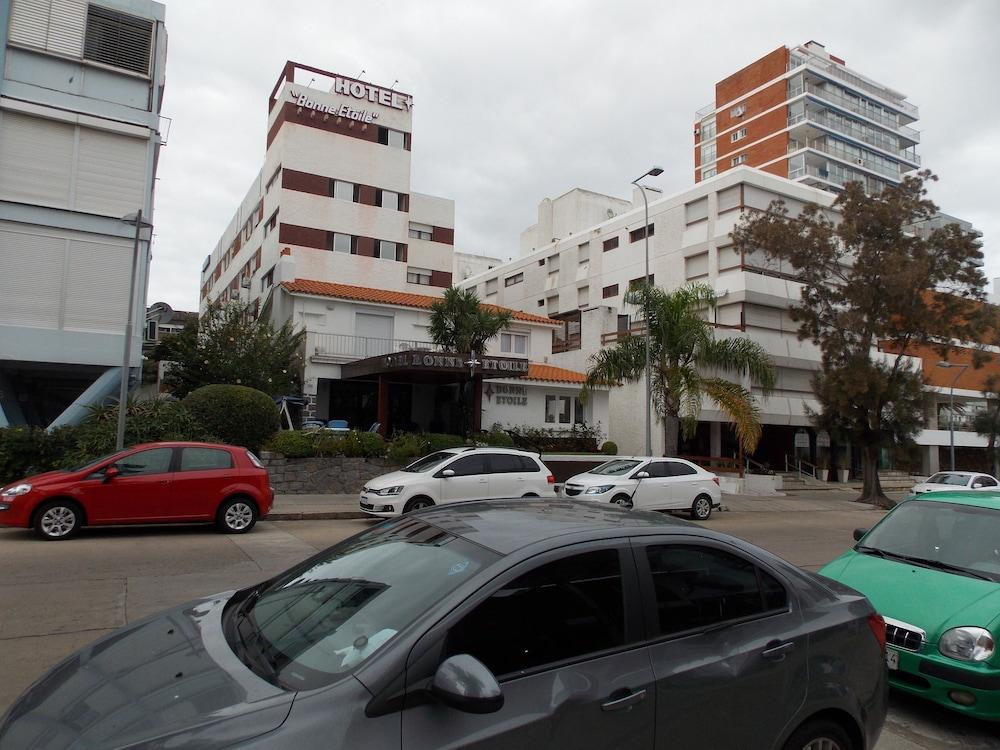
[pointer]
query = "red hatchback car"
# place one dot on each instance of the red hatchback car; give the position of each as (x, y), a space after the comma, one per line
(150, 483)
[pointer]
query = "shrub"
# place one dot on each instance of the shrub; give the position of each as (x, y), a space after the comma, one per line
(321, 443)
(437, 441)
(292, 443)
(578, 438)
(495, 437)
(366, 444)
(610, 448)
(406, 446)
(31, 450)
(236, 414)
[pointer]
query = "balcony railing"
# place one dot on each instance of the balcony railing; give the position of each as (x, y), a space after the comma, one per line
(885, 144)
(360, 347)
(847, 103)
(705, 111)
(872, 184)
(613, 337)
(857, 82)
(570, 343)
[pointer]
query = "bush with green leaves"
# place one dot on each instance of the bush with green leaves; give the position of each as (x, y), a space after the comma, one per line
(496, 437)
(31, 450)
(322, 443)
(238, 415)
(362, 444)
(438, 441)
(577, 438)
(610, 448)
(406, 446)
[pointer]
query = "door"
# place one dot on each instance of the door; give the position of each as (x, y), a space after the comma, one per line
(654, 491)
(139, 492)
(683, 484)
(471, 480)
(200, 483)
(731, 662)
(508, 477)
(562, 637)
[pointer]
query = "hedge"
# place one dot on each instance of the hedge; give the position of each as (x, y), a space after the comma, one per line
(237, 414)
(321, 443)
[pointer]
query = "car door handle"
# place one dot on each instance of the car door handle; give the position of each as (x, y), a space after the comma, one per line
(622, 699)
(776, 650)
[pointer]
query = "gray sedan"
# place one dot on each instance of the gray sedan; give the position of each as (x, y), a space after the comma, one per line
(495, 624)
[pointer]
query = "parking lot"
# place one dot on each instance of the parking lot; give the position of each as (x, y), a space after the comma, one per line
(56, 597)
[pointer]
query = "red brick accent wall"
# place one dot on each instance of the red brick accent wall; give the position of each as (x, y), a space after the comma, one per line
(305, 236)
(759, 102)
(755, 74)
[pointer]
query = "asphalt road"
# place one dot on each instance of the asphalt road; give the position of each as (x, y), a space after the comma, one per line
(57, 597)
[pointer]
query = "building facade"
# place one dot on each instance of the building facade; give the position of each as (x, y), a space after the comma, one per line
(80, 138)
(801, 113)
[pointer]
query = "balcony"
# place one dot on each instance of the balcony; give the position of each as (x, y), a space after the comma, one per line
(843, 102)
(607, 339)
(341, 347)
(847, 156)
(810, 172)
(888, 145)
(568, 344)
(857, 82)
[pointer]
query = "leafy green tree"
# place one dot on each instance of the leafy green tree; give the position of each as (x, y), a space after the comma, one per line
(687, 363)
(987, 422)
(459, 323)
(873, 287)
(231, 347)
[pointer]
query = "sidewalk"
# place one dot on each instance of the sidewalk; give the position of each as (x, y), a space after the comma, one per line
(342, 507)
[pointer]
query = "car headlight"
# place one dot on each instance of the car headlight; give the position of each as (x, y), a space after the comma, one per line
(17, 489)
(599, 490)
(967, 644)
(388, 491)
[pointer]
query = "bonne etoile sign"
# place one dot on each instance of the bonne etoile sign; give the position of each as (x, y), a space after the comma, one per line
(356, 90)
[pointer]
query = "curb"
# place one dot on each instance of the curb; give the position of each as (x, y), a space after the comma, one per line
(319, 515)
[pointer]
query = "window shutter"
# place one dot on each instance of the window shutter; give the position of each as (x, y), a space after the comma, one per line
(36, 155)
(31, 279)
(29, 22)
(66, 27)
(118, 39)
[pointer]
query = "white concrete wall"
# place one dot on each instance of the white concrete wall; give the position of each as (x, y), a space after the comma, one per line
(529, 404)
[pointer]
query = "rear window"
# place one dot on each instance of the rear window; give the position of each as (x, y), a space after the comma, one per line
(204, 459)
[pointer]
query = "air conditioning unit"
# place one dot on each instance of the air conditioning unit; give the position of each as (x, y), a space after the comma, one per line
(738, 111)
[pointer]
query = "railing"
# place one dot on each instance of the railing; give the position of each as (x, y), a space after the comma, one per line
(615, 336)
(717, 464)
(872, 185)
(705, 111)
(360, 347)
(857, 82)
(847, 156)
(847, 103)
(756, 467)
(803, 467)
(883, 143)
(567, 344)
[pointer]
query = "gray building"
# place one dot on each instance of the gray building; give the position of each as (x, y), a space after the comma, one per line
(80, 138)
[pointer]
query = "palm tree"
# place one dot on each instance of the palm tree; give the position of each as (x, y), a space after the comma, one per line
(460, 323)
(686, 363)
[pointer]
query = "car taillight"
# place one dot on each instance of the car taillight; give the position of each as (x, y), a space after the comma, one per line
(716, 480)
(551, 479)
(877, 624)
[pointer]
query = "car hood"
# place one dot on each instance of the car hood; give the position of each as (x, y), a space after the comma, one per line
(47, 477)
(935, 487)
(167, 681)
(587, 479)
(395, 478)
(934, 600)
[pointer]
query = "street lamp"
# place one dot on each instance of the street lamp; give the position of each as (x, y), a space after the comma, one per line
(951, 405)
(654, 172)
(136, 221)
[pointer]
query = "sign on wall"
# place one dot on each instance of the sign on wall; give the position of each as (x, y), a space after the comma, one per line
(506, 395)
(487, 365)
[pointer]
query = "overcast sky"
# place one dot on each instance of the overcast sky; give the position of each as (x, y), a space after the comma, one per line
(516, 101)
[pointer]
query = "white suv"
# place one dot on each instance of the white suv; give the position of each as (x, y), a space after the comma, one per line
(458, 474)
(649, 484)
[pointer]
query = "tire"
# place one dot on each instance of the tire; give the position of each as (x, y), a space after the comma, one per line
(236, 516)
(820, 734)
(623, 500)
(701, 508)
(57, 520)
(529, 495)
(417, 503)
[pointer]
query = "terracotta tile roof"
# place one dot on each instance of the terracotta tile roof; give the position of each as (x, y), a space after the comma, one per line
(554, 374)
(388, 297)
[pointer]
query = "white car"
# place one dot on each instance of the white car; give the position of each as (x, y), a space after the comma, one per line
(649, 484)
(956, 480)
(457, 474)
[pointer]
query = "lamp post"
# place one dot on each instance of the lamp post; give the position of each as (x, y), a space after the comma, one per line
(653, 172)
(951, 405)
(137, 221)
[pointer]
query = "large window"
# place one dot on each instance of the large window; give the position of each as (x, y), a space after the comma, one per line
(420, 276)
(341, 243)
(393, 138)
(517, 278)
(639, 234)
(468, 466)
(388, 199)
(610, 244)
(557, 409)
(388, 250)
(699, 587)
(118, 39)
(564, 610)
(514, 343)
(344, 191)
(421, 231)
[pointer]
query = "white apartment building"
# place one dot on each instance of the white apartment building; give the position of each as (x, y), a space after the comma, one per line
(580, 279)
(80, 95)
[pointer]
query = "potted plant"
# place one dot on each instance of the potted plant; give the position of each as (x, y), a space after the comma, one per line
(823, 466)
(844, 466)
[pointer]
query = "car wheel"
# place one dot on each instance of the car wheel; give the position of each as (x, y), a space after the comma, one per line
(529, 494)
(417, 503)
(57, 519)
(821, 734)
(701, 508)
(623, 500)
(236, 516)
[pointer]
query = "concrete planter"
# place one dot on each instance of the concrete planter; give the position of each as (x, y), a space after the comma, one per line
(335, 475)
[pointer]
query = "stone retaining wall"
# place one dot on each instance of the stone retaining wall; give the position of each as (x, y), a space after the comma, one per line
(336, 475)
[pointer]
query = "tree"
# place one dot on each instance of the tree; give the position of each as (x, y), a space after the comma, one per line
(987, 422)
(229, 346)
(682, 350)
(459, 323)
(873, 287)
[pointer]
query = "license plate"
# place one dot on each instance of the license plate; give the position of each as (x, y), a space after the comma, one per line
(892, 659)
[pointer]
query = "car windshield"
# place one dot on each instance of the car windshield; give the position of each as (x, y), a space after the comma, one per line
(92, 464)
(945, 535)
(616, 468)
(329, 614)
(428, 462)
(958, 480)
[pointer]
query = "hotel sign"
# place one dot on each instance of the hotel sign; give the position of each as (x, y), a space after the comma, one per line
(426, 361)
(338, 110)
(373, 94)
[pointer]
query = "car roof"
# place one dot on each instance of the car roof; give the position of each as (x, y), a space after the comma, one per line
(958, 473)
(182, 444)
(977, 498)
(490, 448)
(509, 525)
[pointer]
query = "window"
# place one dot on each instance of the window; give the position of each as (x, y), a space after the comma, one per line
(340, 243)
(507, 463)
(468, 466)
(155, 461)
(636, 283)
(420, 276)
(708, 153)
(557, 409)
(610, 291)
(118, 39)
(388, 199)
(267, 280)
(552, 280)
(272, 224)
(610, 244)
(205, 459)
(737, 160)
(345, 191)
(491, 285)
(553, 261)
(150, 330)
(708, 129)
(738, 135)
(421, 231)
(272, 179)
(517, 278)
(677, 469)
(706, 173)
(579, 415)
(389, 137)
(514, 343)
(698, 587)
(640, 234)
(583, 296)
(566, 609)
(388, 250)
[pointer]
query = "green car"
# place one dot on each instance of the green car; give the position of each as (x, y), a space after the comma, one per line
(931, 568)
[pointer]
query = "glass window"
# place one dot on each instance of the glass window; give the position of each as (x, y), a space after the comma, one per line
(706, 173)
(153, 461)
(517, 278)
(557, 409)
(421, 231)
(468, 466)
(418, 276)
(579, 415)
(387, 250)
(428, 462)
(657, 469)
(389, 199)
(698, 587)
(203, 459)
(342, 243)
(527, 464)
(984, 481)
(616, 467)
(610, 244)
(505, 463)
(343, 190)
(563, 610)
(708, 154)
(513, 343)
(677, 469)
(708, 129)
(957, 480)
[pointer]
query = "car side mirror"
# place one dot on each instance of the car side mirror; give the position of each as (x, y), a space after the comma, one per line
(642, 475)
(464, 683)
(858, 533)
(448, 473)
(111, 472)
